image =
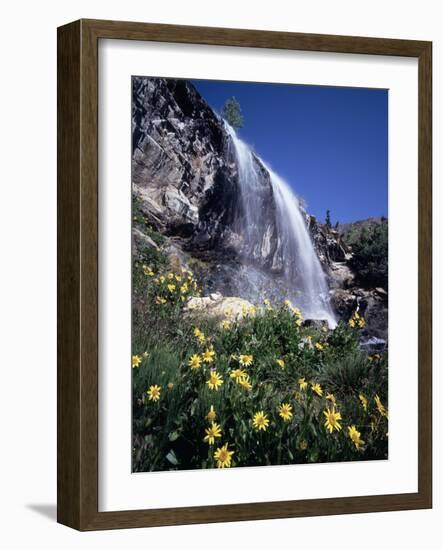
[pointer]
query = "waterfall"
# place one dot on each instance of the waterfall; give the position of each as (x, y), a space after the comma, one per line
(303, 275)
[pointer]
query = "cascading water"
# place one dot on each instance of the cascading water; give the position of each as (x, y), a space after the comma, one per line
(304, 278)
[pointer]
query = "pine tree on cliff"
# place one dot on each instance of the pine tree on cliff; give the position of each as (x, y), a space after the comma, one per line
(231, 112)
(328, 220)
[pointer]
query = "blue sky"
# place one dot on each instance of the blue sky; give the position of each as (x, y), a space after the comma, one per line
(330, 144)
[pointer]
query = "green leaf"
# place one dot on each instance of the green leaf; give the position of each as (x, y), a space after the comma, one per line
(172, 458)
(173, 436)
(313, 455)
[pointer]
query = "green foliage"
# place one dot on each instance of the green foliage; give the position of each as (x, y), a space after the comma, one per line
(168, 433)
(370, 254)
(231, 112)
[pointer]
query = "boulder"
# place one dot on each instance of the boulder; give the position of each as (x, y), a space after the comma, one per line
(219, 307)
(344, 302)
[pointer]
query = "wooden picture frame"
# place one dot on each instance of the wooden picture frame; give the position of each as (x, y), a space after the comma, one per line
(78, 274)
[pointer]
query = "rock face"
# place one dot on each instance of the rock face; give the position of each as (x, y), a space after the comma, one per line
(328, 243)
(371, 304)
(185, 174)
(177, 154)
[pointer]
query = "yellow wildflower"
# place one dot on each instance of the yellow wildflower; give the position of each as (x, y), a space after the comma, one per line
(148, 271)
(298, 322)
(285, 411)
(195, 362)
(223, 457)
(184, 288)
(317, 388)
(171, 287)
(162, 278)
(238, 374)
(280, 363)
(225, 325)
(178, 278)
(332, 419)
(136, 360)
(208, 356)
(154, 393)
(245, 383)
(215, 380)
(354, 434)
(319, 346)
(211, 414)
(356, 321)
(381, 408)
(302, 383)
(364, 402)
(331, 398)
(199, 335)
(246, 360)
(160, 300)
(266, 302)
(260, 421)
(212, 433)
(145, 354)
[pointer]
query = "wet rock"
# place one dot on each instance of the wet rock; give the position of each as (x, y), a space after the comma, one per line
(341, 275)
(316, 323)
(373, 345)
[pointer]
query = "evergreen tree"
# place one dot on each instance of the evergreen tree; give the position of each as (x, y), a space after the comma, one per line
(231, 112)
(328, 219)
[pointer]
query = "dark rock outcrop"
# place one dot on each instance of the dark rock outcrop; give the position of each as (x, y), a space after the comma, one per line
(185, 175)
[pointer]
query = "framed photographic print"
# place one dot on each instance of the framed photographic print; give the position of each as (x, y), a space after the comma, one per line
(244, 275)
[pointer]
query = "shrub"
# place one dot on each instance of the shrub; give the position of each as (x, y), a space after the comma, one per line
(370, 254)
